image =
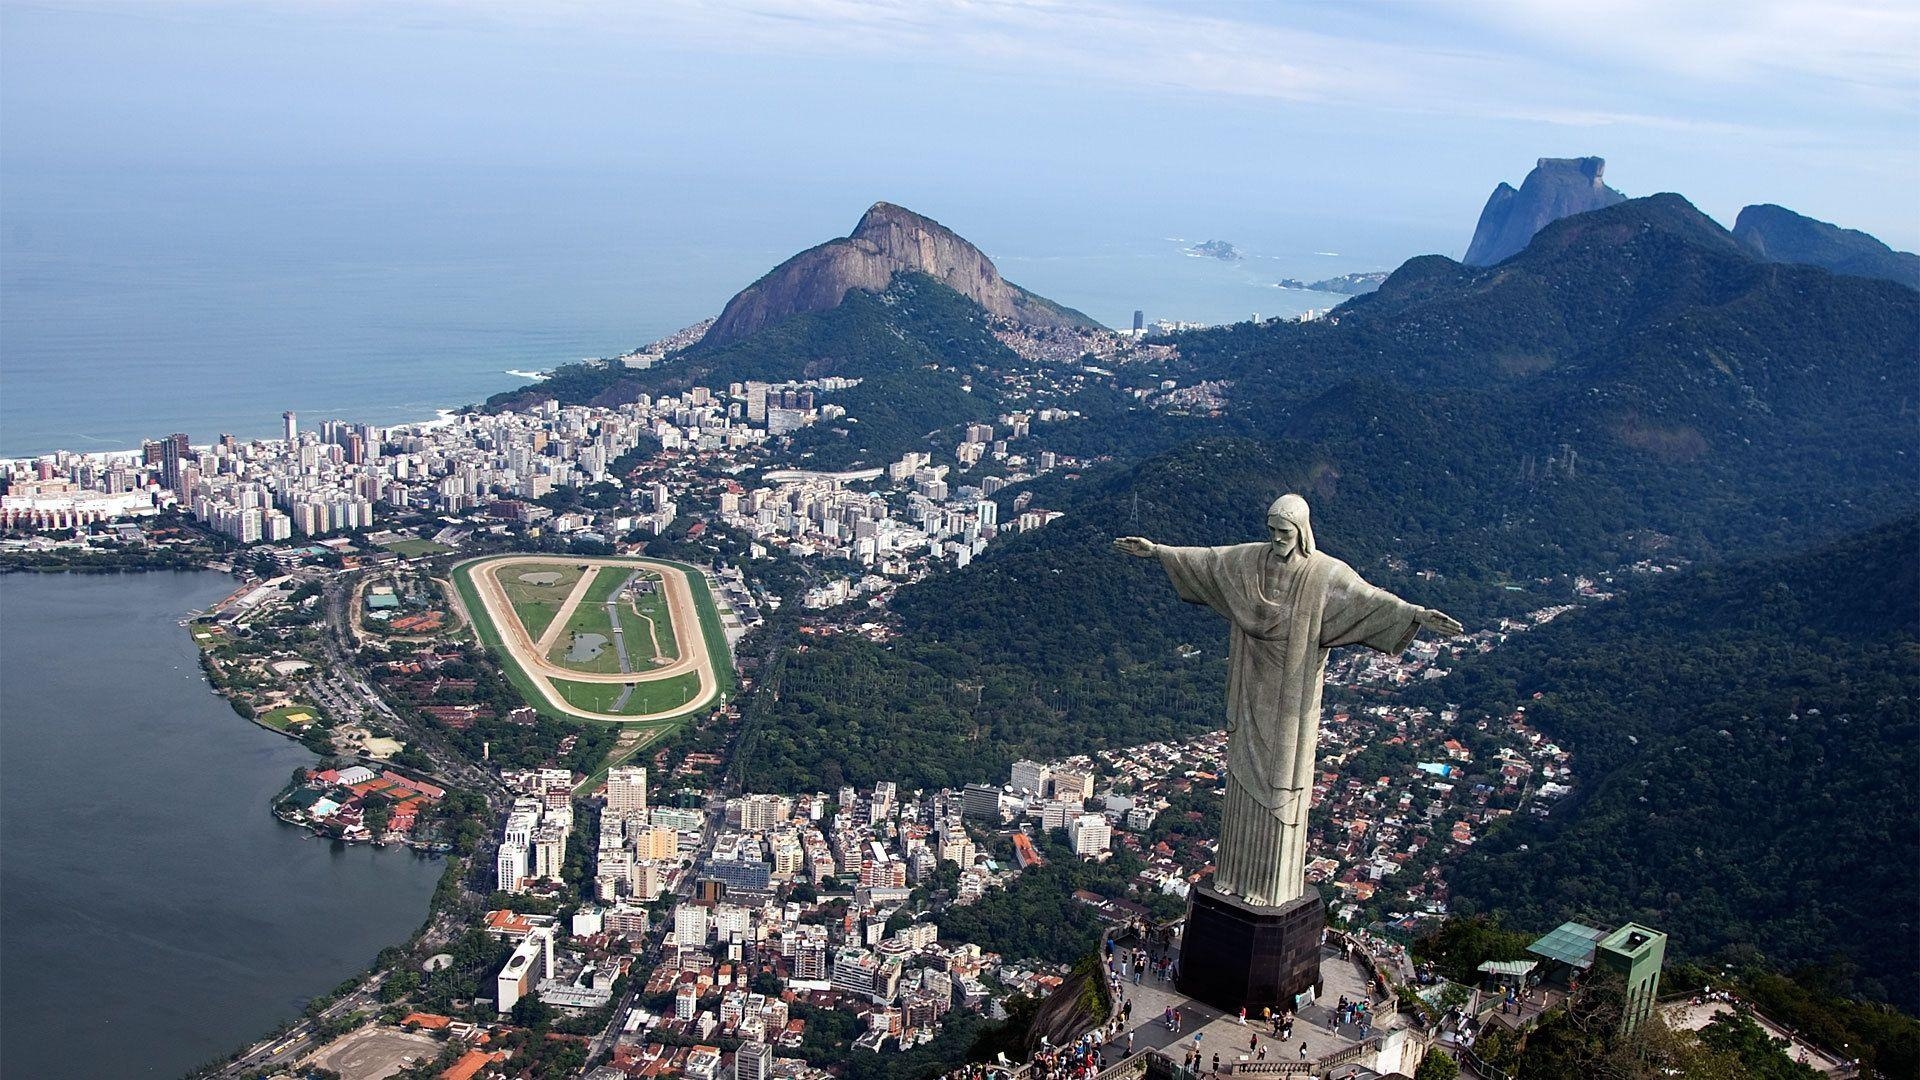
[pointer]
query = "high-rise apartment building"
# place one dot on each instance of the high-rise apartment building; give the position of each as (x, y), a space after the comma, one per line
(1070, 784)
(1090, 834)
(753, 1061)
(1030, 778)
(627, 790)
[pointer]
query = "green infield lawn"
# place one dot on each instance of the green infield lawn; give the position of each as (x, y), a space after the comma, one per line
(641, 644)
(665, 695)
(536, 602)
(589, 621)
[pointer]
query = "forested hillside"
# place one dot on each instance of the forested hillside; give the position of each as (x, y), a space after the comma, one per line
(1632, 386)
(1748, 744)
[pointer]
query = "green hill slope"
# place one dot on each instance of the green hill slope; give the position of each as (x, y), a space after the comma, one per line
(1748, 745)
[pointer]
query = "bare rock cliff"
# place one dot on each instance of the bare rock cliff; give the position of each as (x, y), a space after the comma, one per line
(889, 239)
(1556, 188)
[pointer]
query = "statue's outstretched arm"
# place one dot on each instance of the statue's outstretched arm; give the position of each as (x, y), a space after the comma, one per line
(1438, 621)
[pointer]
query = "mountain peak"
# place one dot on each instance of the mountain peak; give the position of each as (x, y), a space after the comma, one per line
(1664, 212)
(1556, 188)
(889, 239)
(884, 211)
(1778, 234)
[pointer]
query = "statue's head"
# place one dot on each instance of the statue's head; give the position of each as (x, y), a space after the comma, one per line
(1289, 526)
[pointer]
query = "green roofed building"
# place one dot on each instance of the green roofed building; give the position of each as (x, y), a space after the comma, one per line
(1570, 943)
(1637, 953)
(304, 798)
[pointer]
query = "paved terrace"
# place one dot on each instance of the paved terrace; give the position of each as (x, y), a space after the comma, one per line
(1693, 1015)
(1224, 1034)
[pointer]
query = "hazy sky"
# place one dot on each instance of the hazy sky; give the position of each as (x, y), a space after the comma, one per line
(799, 113)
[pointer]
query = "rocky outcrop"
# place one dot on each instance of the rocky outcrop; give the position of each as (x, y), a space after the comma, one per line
(1078, 1005)
(889, 240)
(1352, 284)
(1777, 234)
(1217, 249)
(1556, 188)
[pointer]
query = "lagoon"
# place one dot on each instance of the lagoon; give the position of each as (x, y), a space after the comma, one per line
(154, 915)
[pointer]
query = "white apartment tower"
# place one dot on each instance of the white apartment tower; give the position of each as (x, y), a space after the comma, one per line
(690, 926)
(1091, 834)
(1030, 778)
(510, 866)
(627, 790)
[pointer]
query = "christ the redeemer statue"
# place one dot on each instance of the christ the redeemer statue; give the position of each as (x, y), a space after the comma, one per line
(1287, 603)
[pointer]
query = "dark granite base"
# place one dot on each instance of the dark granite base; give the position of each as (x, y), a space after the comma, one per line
(1235, 954)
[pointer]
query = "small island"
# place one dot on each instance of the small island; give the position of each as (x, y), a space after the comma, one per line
(1216, 249)
(1345, 284)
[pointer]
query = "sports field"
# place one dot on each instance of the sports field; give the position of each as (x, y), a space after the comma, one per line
(579, 641)
(414, 549)
(650, 608)
(641, 699)
(288, 716)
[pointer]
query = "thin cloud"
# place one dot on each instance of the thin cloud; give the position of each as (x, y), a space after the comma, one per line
(1616, 50)
(1646, 64)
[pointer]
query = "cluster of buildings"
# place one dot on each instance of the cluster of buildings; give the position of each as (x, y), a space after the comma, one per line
(344, 476)
(576, 978)
(1070, 344)
(53, 493)
(533, 842)
(836, 940)
(639, 847)
(854, 858)
(1053, 796)
(342, 803)
(902, 521)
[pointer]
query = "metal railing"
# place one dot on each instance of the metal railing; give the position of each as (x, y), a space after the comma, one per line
(1480, 1065)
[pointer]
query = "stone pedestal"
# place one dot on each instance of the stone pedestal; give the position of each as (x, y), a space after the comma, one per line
(1235, 954)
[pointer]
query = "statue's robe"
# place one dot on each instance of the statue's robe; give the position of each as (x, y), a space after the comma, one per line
(1285, 614)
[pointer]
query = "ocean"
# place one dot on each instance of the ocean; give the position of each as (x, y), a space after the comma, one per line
(135, 306)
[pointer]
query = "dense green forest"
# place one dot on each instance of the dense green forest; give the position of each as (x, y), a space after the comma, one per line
(1747, 739)
(1676, 399)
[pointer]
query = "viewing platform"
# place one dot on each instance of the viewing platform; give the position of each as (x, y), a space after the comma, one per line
(1391, 1041)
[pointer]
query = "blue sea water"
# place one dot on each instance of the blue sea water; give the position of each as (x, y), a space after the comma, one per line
(208, 302)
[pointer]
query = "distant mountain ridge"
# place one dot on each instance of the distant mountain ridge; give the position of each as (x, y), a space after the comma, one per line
(888, 240)
(1556, 188)
(1778, 234)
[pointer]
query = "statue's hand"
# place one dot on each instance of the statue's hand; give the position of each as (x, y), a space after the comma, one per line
(1138, 546)
(1439, 622)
